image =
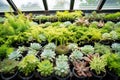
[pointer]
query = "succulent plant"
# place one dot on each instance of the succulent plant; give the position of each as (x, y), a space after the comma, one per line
(116, 47)
(113, 35)
(51, 46)
(35, 46)
(98, 64)
(45, 68)
(62, 49)
(76, 55)
(8, 66)
(62, 69)
(102, 49)
(48, 54)
(72, 46)
(81, 68)
(87, 49)
(32, 51)
(106, 36)
(28, 64)
(62, 58)
(67, 23)
(15, 55)
(42, 37)
(100, 24)
(21, 49)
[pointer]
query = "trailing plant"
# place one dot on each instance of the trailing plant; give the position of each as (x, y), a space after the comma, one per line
(8, 66)
(62, 49)
(81, 68)
(62, 69)
(28, 64)
(76, 55)
(45, 68)
(87, 49)
(48, 54)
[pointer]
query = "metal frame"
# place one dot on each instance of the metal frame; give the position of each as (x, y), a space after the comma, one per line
(47, 12)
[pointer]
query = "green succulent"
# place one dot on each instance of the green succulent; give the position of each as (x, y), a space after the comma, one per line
(87, 49)
(106, 36)
(116, 47)
(35, 46)
(28, 64)
(15, 55)
(62, 58)
(42, 37)
(62, 69)
(113, 35)
(76, 55)
(32, 51)
(72, 46)
(102, 49)
(48, 54)
(45, 68)
(21, 49)
(51, 46)
(8, 66)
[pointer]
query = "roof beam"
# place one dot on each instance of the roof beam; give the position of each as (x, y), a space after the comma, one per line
(45, 4)
(72, 4)
(100, 5)
(13, 5)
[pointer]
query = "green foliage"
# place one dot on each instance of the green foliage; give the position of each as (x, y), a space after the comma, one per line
(62, 69)
(21, 49)
(15, 55)
(114, 35)
(45, 68)
(8, 66)
(87, 49)
(4, 51)
(98, 64)
(106, 36)
(28, 64)
(62, 58)
(113, 16)
(76, 55)
(48, 54)
(67, 24)
(113, 62)
(61, 49)
(51, 46)
(102, 49)
(94, 24)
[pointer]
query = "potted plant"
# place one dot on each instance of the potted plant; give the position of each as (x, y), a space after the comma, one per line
(87, 49)
(35, 46)
(62, 49)
(8, 69)
(97, 66)
(15, 55)
(48, 54)
(113, 65)
(23, 50)
(45, 69)
(27, 66)
(62, 70)
(81, 70)
(51, 46)
(76, 55)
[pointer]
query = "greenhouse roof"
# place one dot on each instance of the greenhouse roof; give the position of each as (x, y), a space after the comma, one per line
(54, 5)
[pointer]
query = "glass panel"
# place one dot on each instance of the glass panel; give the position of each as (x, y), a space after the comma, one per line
(4, 6)
(29, 5)
(58, 4)
(86, 4)
(112, 4)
